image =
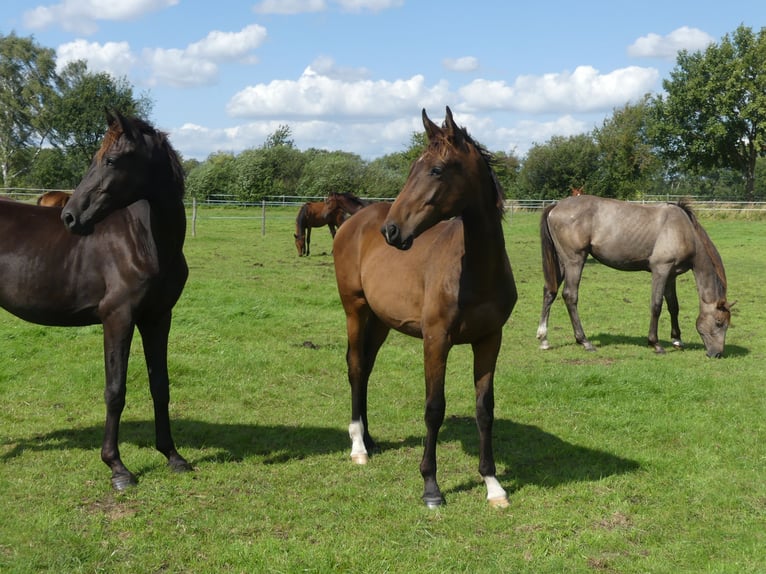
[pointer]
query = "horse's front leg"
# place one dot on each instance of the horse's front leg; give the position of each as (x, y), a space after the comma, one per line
(485, 354)
(307, 245)
(671, 298)
(154, 333)
(366, 334)
(659, 278)
(435, 350)
(570, 294)
(118, 335)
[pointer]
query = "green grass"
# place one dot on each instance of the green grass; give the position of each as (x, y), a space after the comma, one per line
(615, 461)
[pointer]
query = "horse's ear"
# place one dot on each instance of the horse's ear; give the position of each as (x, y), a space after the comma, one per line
(432, 130)
(112, 117)
(453, 131)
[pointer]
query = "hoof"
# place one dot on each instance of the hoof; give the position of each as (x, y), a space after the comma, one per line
(545, 345)
(678, 344)
(360, 458)
(433, 501)
(123, 482)
(499, 502)
(180, 466)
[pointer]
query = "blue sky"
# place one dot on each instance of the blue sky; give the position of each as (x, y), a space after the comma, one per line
(353, 75)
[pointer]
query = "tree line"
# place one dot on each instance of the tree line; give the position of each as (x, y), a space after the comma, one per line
(703, 136)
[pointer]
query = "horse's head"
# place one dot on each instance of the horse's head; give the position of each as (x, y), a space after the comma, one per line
(117, 175)
(440, 183)
(712, 324)
(300, 244)
(331, 205)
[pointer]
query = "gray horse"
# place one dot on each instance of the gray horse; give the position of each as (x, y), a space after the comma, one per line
(664, 239)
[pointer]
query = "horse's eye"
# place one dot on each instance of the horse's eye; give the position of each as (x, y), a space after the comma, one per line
(109, 161)
(436, 170)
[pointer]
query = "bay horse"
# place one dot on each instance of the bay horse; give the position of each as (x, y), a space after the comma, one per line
(116, 259)
(664, 239)
(346, 201)
(432, 265)
(315, 214)
(54, 198)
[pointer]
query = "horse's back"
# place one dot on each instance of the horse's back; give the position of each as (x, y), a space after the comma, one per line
(620, 234)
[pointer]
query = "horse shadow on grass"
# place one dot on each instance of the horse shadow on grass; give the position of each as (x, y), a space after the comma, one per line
(696, 346)
(530, 455)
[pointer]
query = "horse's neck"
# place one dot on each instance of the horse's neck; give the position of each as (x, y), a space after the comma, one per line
(168, 222)
(483, 233)
(708, 270)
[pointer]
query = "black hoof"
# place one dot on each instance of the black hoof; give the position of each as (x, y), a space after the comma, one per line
(122, 482)
(433, 501)
(180, 466)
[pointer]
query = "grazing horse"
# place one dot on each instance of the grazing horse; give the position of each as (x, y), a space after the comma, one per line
(54, 199)
(348, 202)
(315, 214)
(665, 239)
(433, 265)
(116, 260)
(577, 191)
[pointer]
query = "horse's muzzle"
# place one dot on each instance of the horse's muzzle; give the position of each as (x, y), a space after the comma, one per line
(393, 236)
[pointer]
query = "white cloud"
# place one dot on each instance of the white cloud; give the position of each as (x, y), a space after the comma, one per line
(584, 90)
(81, 15)
(656, 46)
(196, 65)
(464, 64)
(114, 58)
(221, 46)
(314, 94)
(289, 7)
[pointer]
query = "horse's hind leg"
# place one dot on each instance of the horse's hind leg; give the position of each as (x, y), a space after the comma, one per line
(672, 301)
(155, 338)
(366, 334)
(549, 296)
(485, 354)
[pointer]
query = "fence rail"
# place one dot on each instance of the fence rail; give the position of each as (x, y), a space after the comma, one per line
(223, 200)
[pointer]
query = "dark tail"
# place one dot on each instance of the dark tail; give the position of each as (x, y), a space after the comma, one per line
(551, 267)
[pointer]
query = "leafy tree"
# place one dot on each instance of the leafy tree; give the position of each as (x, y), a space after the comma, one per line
(627, 163)
(27, 87)
(215, 177)
(385, 176)
(507, 167)
(552, 169)
(334, 171)
(78, 113)
(714, 112)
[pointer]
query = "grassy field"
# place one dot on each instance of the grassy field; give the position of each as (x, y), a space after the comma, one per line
(615, 461)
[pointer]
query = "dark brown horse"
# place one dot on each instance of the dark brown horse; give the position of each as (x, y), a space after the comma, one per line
(447, 282)
(315, 214)
(348, 202)
(665, 239)
(54, 198)
(116, 259)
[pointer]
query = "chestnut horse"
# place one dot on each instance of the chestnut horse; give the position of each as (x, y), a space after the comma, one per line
(315, 214)
(117, 260)
(54, 199)
(665, 239)
(433, 265)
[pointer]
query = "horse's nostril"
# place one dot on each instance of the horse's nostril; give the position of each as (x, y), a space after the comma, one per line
(390, 232)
